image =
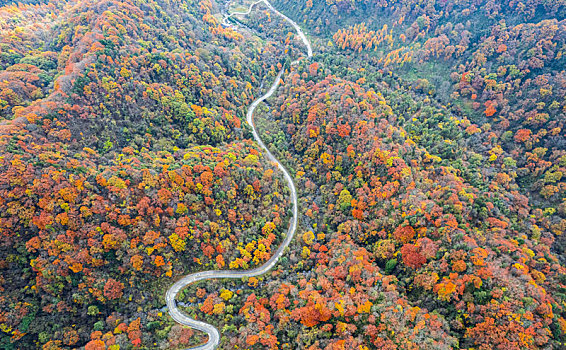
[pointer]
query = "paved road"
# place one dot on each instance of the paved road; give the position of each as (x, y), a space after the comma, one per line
(227, 17)
(176, 314)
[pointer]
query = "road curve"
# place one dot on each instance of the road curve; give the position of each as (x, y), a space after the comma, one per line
(176, 314)
(227, 17)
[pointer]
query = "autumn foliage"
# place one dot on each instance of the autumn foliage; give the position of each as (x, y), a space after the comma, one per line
(426, 140)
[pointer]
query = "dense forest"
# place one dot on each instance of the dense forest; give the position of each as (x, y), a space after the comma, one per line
(425, 138)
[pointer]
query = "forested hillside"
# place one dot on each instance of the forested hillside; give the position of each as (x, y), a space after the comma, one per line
(125, 164)
(425, 138)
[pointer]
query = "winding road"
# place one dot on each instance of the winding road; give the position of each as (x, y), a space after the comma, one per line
(176, 314)
(236, 13)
